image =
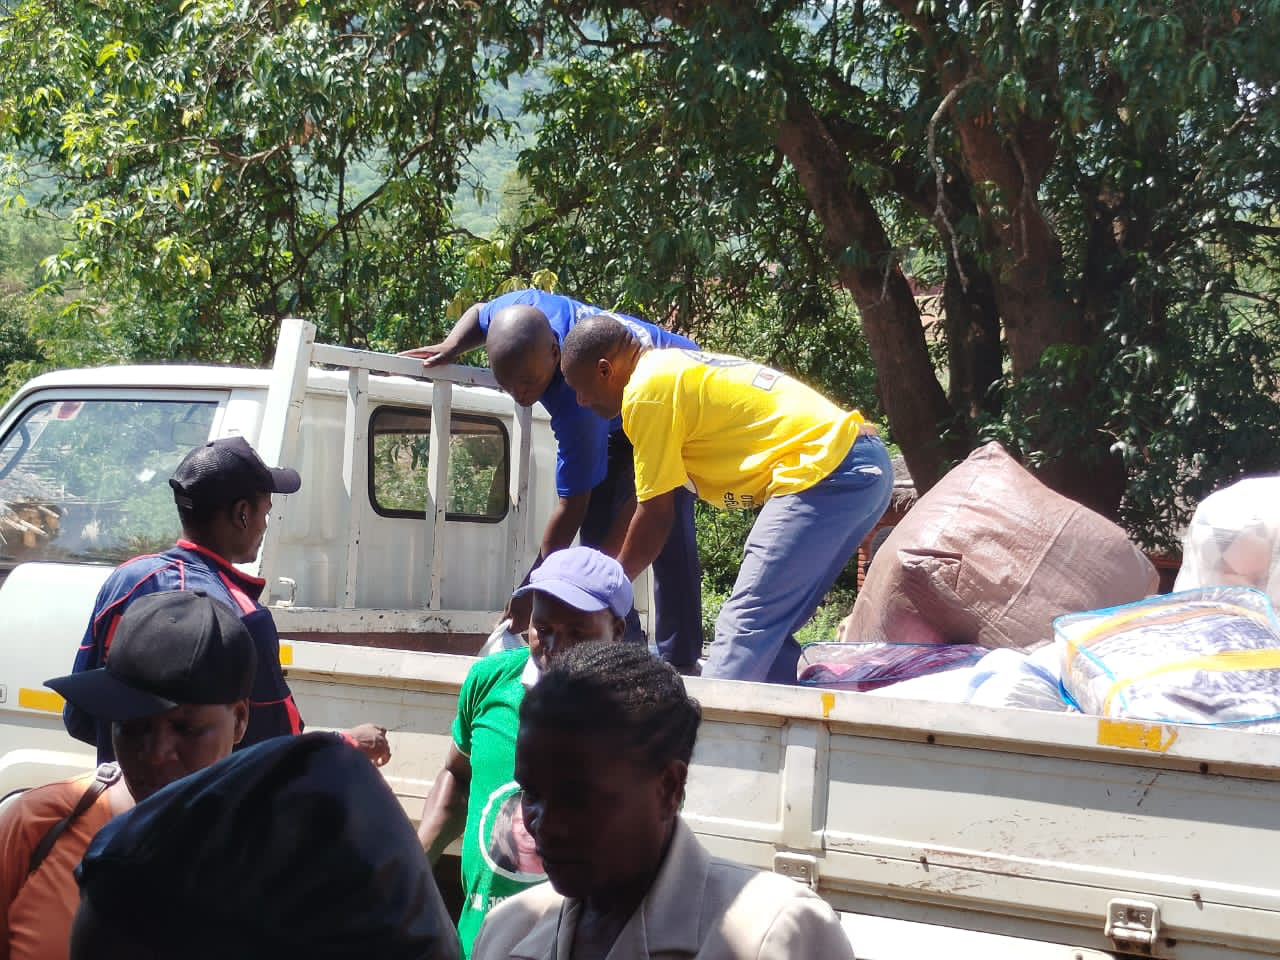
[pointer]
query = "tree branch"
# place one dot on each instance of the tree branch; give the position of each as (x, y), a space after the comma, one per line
(1257, 229)
(940, 184)
(910, 182)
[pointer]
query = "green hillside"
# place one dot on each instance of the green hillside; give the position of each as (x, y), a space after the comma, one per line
(493, 163)
(478, 201)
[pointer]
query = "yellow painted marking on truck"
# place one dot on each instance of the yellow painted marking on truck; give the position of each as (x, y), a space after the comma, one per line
(45, 700)
(286, 654)
(828, 704)
(1136, 736)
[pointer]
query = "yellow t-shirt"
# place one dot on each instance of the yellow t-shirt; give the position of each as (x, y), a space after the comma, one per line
(734, 431)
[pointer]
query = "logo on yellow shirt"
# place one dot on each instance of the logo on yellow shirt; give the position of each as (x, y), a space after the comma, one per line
(766, 378)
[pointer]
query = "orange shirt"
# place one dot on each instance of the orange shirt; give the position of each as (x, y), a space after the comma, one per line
(38, 911)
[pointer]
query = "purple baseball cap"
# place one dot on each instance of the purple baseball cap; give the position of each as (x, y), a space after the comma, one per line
(585, 579)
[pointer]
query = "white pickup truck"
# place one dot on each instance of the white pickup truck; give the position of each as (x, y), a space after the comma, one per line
(937, 830)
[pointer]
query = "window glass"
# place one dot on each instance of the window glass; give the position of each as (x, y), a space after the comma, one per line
(89, 479)
(399, 442)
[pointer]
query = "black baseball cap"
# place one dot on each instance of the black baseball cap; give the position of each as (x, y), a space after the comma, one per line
(172, 648)
(226, 470)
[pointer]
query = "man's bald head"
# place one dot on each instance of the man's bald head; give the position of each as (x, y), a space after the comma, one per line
(596, 337)
(599, 355)
(523, 352)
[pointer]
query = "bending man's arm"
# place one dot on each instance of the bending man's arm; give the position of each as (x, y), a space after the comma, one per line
(466, 335)
(650, 525)
(444, 812)
(565, 522)
(617, 535)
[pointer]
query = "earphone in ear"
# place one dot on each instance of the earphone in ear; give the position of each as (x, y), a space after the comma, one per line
(244, 521)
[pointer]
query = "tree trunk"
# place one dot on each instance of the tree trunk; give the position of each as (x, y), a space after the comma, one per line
(974, 354)
(1027, 271)
(913, 399)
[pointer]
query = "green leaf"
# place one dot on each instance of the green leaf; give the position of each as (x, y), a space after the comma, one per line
(109, 51)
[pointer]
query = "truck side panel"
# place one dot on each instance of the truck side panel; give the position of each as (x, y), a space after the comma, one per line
(44, 609)
(1007, 822)
(394, 553)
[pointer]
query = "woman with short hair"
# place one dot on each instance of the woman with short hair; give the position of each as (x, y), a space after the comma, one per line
(602, 757)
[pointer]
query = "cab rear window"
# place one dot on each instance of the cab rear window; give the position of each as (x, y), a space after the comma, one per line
(88, 480)
(399, 440)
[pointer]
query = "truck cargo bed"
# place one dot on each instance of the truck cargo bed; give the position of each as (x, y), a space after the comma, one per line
(1025, 824)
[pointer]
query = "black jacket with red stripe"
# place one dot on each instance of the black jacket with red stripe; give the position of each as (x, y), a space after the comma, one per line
(188, 566)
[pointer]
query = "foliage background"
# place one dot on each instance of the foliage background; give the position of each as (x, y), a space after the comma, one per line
(1086, 190)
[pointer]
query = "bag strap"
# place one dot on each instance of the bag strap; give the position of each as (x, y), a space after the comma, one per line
(106, 775)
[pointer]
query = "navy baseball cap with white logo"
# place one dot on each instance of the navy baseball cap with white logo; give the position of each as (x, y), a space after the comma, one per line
(227, 470)
(171, 648)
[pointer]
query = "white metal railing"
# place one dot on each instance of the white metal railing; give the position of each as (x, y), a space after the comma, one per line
(296, 351)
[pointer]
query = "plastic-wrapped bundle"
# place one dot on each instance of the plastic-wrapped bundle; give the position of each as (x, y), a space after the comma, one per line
(866, 666)
(1234, 539)
(1003, 678)
(1010, 678)
(501, 639)
(1209, 656)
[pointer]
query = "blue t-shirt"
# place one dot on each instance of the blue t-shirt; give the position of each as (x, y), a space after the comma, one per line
(582, 438)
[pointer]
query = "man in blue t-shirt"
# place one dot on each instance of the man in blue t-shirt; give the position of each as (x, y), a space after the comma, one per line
(595, 477)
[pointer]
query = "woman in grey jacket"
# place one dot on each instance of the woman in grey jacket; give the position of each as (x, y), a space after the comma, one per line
(602, 757)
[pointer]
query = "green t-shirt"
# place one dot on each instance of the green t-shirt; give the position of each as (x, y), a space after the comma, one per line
(498, 859)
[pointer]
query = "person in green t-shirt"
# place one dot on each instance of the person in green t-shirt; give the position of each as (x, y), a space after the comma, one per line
(579, 594)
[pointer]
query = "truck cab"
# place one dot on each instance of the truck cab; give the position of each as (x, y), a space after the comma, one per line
(423, 502)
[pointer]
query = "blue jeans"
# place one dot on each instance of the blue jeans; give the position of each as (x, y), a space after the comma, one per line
(797, 547)
(677, 574)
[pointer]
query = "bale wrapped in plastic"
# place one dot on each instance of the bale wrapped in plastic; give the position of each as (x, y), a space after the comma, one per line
(1209, 656)
(1003, 678)
(1234, 539)
(1011, 678)
(990, 556)
(866, 666)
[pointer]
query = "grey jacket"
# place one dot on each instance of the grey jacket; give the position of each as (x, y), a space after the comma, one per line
(699, 906)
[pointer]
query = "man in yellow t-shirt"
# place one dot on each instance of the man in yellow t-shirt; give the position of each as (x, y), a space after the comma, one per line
(740, 435)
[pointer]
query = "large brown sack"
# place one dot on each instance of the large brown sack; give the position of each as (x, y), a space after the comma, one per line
(990, 556)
